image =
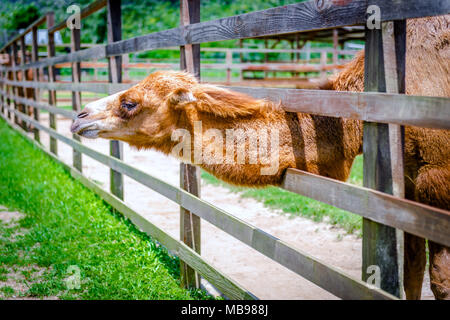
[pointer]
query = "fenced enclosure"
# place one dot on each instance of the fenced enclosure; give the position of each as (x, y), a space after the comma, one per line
(380, 202)
(239, 71)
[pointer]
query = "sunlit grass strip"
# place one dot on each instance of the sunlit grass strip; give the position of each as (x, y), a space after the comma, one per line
(68, 225)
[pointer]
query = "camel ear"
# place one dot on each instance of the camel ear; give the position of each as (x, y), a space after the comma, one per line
(180, 97)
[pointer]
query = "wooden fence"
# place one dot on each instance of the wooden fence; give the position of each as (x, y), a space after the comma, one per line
(328, 60)
(380, 202)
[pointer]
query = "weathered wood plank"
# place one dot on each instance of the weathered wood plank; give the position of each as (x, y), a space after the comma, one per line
(8, 88)
(75, 45)
(94, 53)
(36, 94)
(427, 112)
(406, 9)
(51, 78)
(190, 224)
(379, 240)
(227, 286)
(301, 263)
(219, 66)
(15, 90)
(414, 217)
(41, 105)
(3, 99)
(394, 53)
(23, 56)
(114, 28)
(108, 88)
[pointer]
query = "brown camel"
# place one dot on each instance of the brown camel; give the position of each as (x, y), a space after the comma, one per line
(171, 106)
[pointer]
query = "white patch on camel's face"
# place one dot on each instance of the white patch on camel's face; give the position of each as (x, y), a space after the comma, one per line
(101, 104)
(93, 119)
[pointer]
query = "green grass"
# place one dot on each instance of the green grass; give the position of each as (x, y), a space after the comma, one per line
(297, 205)
(68, 225)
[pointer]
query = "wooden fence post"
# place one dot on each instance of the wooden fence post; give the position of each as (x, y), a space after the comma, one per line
(51, 78)
(75, 45)
(36, 95)
(380, 252)
(229, 63)
(323, 63)
(3, 86)
(115, 76)
(126, 69)
(9, 88)
(15, 89)
(190, 231)
(22, 90)
(394, 53)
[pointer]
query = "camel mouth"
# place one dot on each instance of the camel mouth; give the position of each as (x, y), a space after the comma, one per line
(85, 129)
(90, 133)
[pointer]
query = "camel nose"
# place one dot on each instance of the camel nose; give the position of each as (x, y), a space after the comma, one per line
(79, 123)
(84, 113)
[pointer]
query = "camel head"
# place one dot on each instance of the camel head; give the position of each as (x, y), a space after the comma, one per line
(146, 114)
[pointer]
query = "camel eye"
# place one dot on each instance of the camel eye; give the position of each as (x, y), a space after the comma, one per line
(129, 106)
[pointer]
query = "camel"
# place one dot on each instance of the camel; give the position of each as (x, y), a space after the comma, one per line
(171, 106)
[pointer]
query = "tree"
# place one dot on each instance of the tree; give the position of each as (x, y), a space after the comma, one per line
(22, 16)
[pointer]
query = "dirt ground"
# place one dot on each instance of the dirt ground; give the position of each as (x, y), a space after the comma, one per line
(258, 274)
(15, 278)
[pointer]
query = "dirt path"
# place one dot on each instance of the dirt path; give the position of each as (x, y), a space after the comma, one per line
(260, 275)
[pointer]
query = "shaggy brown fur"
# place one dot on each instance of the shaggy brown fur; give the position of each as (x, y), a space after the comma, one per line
(146, 115)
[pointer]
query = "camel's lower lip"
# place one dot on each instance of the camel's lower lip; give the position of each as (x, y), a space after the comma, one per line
(89, 133)
(87, 129)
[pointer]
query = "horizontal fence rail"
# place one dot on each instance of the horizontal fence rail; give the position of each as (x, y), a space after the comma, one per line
(108, 88)
(304, 16)
(41, 105)
(429, 112)
(413, 217)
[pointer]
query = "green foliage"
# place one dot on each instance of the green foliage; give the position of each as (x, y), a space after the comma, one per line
(138, 17)
(21, 16)
(297, 205)
(65, 225)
